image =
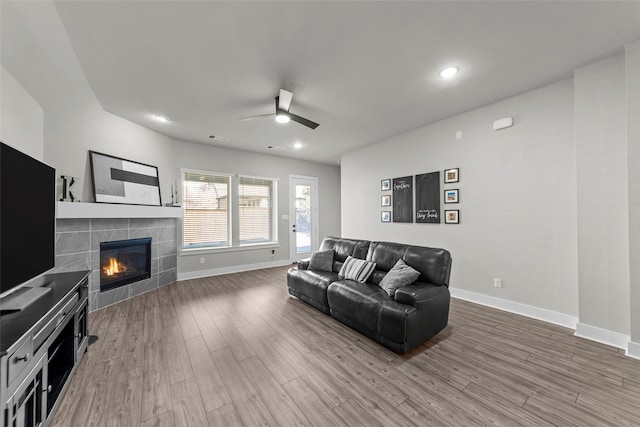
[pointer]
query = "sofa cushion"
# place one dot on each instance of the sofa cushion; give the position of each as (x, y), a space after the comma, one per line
(344, 248)
(386, 254)
(357, 304)
(322, 261)
(400, 275)
(311, 286)
(433, 264)
(356, 269)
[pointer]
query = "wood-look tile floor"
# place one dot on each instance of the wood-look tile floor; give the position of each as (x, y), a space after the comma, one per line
(236, 350)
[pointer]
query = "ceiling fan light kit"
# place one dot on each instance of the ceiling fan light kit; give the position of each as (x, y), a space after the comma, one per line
(283, 115)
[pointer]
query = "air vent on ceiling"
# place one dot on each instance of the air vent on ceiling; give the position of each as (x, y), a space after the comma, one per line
(275, 147)
(219, 138)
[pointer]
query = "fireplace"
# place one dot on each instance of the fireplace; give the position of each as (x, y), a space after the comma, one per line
(123, 262)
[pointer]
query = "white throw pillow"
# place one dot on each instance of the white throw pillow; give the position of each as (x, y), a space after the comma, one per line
(357, 269)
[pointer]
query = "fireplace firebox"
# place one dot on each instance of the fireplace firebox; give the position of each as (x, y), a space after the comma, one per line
(123, 262)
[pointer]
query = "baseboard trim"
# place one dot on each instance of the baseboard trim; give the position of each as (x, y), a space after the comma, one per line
(603, 336)
(231, 269)
(633, 350)
(518, 308)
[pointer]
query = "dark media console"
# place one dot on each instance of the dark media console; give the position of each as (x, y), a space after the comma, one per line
(40, 348)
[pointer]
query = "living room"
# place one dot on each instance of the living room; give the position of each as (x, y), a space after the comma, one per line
(549, 205)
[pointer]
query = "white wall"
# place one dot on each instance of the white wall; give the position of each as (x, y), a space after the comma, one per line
(21, 117)
(603, 210)
(218, 159)
(517, 197)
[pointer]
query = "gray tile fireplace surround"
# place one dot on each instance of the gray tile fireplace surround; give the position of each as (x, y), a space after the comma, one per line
(78, 248)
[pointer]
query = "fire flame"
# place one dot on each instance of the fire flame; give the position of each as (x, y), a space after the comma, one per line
(114, 267)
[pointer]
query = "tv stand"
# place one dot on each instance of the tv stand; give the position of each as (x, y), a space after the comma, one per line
(41, 347)
(22, 298)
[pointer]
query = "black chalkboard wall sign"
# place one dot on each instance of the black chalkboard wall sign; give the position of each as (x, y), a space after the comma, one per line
(428, 198)
(403, 199)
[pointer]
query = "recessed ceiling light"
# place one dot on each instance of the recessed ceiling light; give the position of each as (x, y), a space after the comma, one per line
(449, 72)
(297, 145)
(160, 119)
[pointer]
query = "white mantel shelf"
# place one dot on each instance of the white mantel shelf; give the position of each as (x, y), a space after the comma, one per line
(108, 210)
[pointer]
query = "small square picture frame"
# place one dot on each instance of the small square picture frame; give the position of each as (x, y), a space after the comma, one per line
(385, 200)
(385, 185)
(452, 216)
(451, 175)
(385, 216)
(451, 196)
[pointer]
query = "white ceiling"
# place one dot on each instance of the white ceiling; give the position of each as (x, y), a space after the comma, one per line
(363, 70)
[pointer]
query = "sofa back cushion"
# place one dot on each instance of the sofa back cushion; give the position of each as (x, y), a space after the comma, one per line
(342, 248)
(433, 264)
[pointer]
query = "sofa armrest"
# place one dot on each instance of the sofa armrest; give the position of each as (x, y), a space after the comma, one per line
(303, 264)
(418, 293)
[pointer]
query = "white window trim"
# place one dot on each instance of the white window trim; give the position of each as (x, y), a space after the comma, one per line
(274, 211)
(233, 216)
(229, 210)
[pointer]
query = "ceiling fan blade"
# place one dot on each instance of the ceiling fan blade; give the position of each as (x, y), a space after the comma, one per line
(285, 100)
(308, 123)
(256, 117)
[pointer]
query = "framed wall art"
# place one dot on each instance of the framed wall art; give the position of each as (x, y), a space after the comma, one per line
(451, 196)
(117, 180)
(452, 216)
(451, 175)
(428, 198)
(385, 200)
(403, 199)
(385, 216)
(385, 185)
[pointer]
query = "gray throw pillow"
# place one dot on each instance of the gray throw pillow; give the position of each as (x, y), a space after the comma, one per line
(322, 261)
(400, 275)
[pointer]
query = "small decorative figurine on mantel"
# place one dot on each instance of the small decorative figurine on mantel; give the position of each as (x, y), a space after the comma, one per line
(174, 197)
(66, 195)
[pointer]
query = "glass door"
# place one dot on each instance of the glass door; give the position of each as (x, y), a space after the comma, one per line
(303, 216)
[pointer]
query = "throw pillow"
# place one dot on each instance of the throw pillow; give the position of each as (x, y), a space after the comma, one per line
(400, 275)
(357, 269)
(322, 261)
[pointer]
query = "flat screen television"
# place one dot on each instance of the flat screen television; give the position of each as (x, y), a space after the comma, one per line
(27, 222)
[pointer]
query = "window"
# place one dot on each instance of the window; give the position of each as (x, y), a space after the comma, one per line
(210, 208)
(206, 209)
(256, 209)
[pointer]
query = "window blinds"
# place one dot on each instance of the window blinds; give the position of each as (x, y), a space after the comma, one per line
(206, 209)
(255, 199)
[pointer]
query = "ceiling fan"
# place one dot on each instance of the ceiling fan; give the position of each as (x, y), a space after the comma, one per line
(283, 115)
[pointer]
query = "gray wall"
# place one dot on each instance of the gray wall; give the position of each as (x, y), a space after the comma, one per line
(70, 134)
(218, 159)
(603, 214)
(633, 140)
(551, 206)
(517, 196)
(21, 117)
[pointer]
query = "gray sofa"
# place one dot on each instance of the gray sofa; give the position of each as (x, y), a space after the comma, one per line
(401, 322)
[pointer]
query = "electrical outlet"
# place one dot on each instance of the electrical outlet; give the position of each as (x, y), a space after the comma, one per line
(201, 260)
(497, 282)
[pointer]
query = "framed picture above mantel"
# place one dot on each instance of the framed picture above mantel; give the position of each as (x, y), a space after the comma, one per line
(121, 181)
